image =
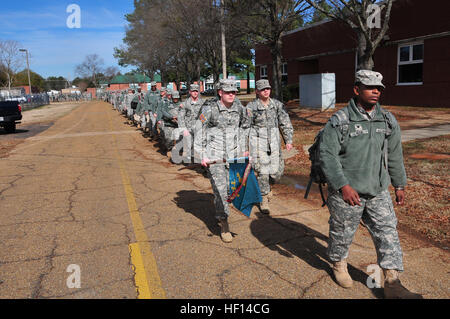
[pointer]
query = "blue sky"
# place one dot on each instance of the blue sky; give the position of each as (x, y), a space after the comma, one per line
(40, 26)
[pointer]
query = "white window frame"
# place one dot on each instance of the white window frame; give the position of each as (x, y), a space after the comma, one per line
(410, 61)
(283, 65)
(261, 68)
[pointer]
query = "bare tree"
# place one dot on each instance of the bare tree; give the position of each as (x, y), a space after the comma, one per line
(91, 66)
(179, 39)
(266, 21)
(362, 16)
(10, 60)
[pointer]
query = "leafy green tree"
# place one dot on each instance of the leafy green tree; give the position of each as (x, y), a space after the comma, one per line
(37, 81)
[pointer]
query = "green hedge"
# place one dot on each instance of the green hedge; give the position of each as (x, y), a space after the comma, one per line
(290, 92)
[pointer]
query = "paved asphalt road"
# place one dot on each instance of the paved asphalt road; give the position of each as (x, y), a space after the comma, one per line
(91, 209)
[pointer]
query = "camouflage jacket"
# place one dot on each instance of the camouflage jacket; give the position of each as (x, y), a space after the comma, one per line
(266, 123)
(221, 132)
(189, 113)
(169, 112)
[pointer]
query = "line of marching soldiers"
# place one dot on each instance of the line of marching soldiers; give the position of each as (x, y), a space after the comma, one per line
(360, 155)
(160, 113)
(213, 133)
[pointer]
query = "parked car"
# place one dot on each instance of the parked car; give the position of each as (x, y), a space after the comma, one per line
(10, 115)
(20, 99)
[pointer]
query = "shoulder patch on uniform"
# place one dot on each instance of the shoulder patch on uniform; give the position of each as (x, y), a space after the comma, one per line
(202, 118)
(249, 112)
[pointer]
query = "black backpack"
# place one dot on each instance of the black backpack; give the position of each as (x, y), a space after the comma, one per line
(317, 175)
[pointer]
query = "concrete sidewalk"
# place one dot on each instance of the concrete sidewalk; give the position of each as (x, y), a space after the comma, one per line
(409, 135)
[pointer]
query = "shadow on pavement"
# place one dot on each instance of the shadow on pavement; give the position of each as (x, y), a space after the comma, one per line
(277, 234)
(201, 205)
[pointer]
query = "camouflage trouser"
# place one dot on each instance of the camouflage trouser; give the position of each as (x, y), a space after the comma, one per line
(182, 150)
(152, 124)
(130, 112)
(144, 119)
(219, 175)
(378, 215)
(267, 167)
(168, 134)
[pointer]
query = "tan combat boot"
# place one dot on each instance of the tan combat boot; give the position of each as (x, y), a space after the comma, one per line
(264, 206)
(341, 274)
(225, 233)
(393, 289)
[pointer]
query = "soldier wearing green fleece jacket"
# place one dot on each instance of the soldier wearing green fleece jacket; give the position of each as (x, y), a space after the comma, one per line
(361, 154)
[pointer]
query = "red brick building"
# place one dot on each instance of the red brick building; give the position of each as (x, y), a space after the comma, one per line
(414, 58)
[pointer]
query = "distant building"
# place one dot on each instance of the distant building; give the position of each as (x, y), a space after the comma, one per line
(72, 90)
(134, 81)
(241, 80)
(414, 58)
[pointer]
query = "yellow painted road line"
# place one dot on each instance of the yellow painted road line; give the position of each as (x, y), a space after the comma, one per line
(140, 277)
(146, 271)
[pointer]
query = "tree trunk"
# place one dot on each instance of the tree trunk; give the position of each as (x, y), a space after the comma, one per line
(248, 80)
(276, 76)
(365, 53)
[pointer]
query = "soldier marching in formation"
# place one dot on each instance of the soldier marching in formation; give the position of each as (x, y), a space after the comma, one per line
(360, 155)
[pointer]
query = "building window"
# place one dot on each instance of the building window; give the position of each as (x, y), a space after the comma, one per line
(284, 69)
(410, 64)
(284, 74)
(263, 71)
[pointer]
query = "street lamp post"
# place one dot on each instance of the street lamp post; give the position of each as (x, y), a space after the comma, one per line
(28, 67)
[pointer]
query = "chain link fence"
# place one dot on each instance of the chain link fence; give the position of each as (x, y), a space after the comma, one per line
(71, 97)
(31, 101)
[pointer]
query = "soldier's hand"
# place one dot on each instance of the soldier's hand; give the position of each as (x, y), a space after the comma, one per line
(400, 196)
(205, 162)
(350, 196)
(289, 147)
(186, 133)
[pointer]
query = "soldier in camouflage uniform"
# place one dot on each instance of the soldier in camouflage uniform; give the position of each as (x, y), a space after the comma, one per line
(129, 109)
(150, 108)
(133, 105)
(361, 154)
(169, 118)
(268, 116)
(146, 110)
(187, 116)
(222, 133)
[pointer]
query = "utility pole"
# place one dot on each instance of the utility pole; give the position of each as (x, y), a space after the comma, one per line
(224, 50)
(28, 67)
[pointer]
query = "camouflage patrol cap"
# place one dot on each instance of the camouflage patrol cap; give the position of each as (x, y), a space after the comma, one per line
(262, 84)
(153, 84)
(169, 92)
(175, 95)
(228, 85)
(194, 87)
(369, 78)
